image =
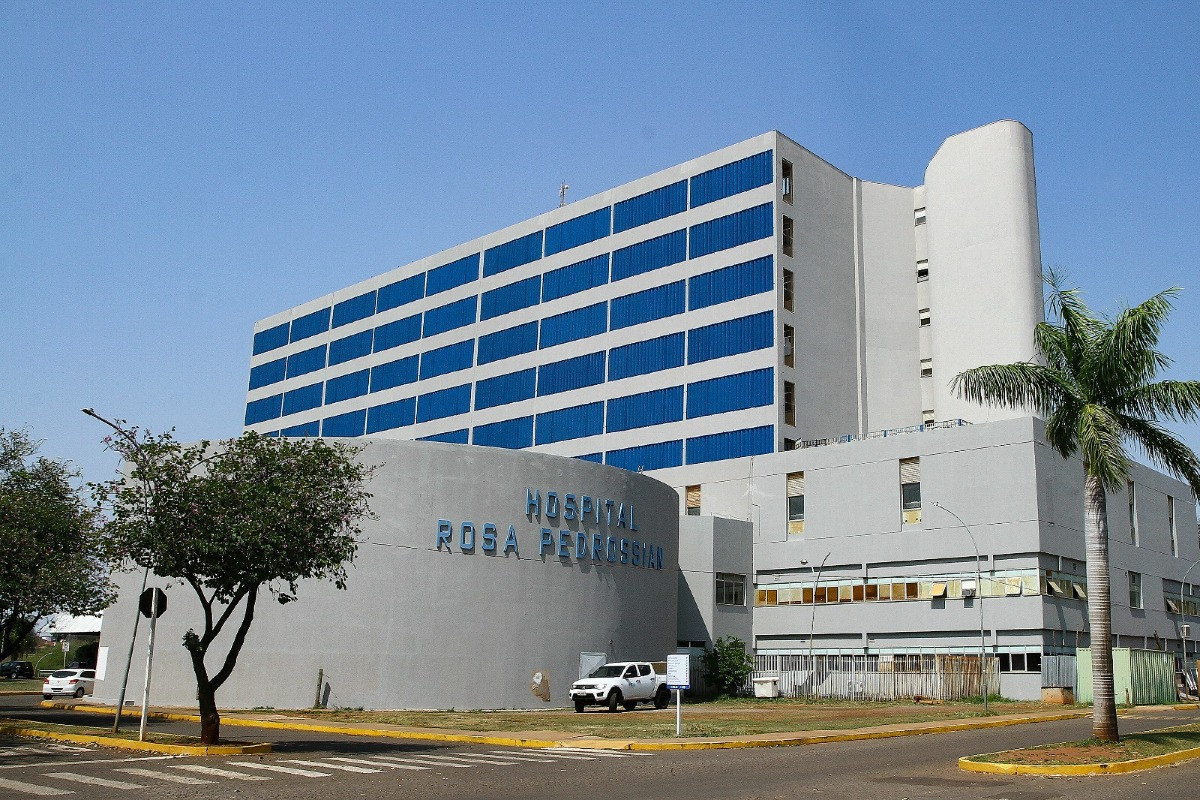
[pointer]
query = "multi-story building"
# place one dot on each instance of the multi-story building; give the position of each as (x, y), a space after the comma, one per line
(715, 324)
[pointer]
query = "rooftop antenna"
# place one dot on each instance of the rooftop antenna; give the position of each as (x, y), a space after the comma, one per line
(562, 194)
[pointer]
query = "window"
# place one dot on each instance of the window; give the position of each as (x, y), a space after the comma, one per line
(1171, 526)
(923, 315)
(1135, 590)
(788, 230)
(692, 501)
(927, 417)
(910, 488)
(926, 367)
(786, 181)
(795, 503)
(789, 403)
(922, 270)
(789, 290)
(919, 216)
(789, 444)
(1133, 528)
(731, 589)
(789, 345)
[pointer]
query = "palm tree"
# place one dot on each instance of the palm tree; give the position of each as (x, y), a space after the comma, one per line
(1095, 386)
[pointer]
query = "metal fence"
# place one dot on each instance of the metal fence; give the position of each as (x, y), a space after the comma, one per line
(1059, 672)
(880, 676)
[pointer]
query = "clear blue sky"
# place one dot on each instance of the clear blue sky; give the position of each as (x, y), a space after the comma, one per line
(172, 172)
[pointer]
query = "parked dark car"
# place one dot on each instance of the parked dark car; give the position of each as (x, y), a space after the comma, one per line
(16, 669)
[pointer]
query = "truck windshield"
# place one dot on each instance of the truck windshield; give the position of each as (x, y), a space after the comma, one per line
(608, 671)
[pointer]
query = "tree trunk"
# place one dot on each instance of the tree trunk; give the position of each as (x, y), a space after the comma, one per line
(1104, 708)
(210, 719)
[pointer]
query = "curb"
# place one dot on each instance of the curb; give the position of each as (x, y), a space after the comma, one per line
(594, 743)
(1072, 770)
(14, 728)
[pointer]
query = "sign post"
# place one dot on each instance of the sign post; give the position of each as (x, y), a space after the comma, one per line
(679, 677)
(152, 603)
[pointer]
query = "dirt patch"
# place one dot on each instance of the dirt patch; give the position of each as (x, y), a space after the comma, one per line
(1067, 754)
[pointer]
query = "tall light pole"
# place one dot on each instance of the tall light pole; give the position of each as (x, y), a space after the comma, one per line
(1182, 616)
(812, 626)
(137, 614)
(979, 597)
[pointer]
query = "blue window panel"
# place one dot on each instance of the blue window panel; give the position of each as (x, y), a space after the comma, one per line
(741, 335)
(731, 393)
(397, 294)
(575, 278)
(273, 434)
(306, 361)
(656, 303)
(444, 403)
(578, 324)
(580, 230)
(595, 458)
(511, 433)
(450, 358)
(264, 409)
(391, 415)
(456, 273)
(309, 429)
(310, 325)
(450, 316)
(731, 283)
(512, 254)
(732, 444)
(640, 358)
(512, 297)
(266, 374)
(572, 373)
(394, 334)
(345, 387)
(661, 251)
(351, 423)
(726, 232)
(645, 409)
(450, 437)
(271, 338)
(504, 389)
(354, 309)
(508, 342)
(350, 347)
(660, 455)
(570, 423)
(740, 176)
(648, 207)
(394, 373)
(303, 399)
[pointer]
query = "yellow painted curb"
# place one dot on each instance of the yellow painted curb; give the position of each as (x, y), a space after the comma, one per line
(14, 728)
(1068, 770)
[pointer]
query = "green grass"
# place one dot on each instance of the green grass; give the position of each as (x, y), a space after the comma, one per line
(81, 730)
(1094, 751)
(21, 685)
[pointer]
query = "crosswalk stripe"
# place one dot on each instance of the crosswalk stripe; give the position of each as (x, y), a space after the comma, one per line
(523, 757)
(435, 761)
(371, 762)
(484, 758)
(343, 767)
(162, 776)
(601, 753)
(75, 777)
(303, 773)
(220, 773)
(568, 756)
(32, 788)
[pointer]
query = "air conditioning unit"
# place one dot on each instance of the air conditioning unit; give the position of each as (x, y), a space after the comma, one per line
(968, 588)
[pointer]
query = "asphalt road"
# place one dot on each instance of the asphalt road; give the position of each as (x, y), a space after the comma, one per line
(317, 764)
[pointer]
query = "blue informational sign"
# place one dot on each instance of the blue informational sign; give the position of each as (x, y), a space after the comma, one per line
(679, 674)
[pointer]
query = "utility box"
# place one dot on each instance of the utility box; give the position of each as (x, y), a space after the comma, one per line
(766, 687)
(1140, 677)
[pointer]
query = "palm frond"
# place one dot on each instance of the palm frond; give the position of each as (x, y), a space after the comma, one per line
(1164, 449)
(1129, 354)
(1102, 446)
(1020, 385)
(1052, 344)
(1062, 428)
(1175, 400)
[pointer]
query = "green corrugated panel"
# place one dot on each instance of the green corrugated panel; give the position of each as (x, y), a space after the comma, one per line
(1140, 677)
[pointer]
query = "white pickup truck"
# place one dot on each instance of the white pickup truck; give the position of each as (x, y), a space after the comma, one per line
(623, 683)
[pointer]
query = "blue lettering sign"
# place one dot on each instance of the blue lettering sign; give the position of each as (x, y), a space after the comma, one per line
(533, 503)
(511, 542)
(610, 547)
(444, 532)
(621, 516)
(564, 544)
(547, 541)
(489, 537)
(624, 551)
(568, 506)
(636, 558)
(632, 525)
(608, 504)
(585, 505)
(581, 546)
(597, 547)
(551, 505)
(464, 541)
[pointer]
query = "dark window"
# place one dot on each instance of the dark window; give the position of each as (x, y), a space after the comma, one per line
(456, 273)
(730, 179)
(354, 309)
(739, 228)
(271, 338)
(578, 231)
(651, 206)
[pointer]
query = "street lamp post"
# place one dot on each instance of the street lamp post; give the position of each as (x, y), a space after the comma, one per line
(137, 615)
(812, 626)
(979, 597)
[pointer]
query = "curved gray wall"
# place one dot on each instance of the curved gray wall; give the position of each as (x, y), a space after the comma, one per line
(423, 627)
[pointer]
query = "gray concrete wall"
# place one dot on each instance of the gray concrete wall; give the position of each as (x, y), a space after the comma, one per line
(423, 627)
(708, 545)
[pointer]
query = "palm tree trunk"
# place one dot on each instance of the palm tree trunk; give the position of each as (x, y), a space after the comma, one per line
(1104, 708)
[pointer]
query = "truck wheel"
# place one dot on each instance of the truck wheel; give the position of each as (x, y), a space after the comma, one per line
(662, 697)
(614, 700)
(579, 706)
(630, 705)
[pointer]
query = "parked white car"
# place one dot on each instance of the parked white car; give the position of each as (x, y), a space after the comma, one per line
(73, 682)
(622, 683)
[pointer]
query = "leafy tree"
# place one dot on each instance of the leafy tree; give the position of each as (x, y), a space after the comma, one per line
(53, 562)
(249, 514)
(1094, 386)
(727, 666)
